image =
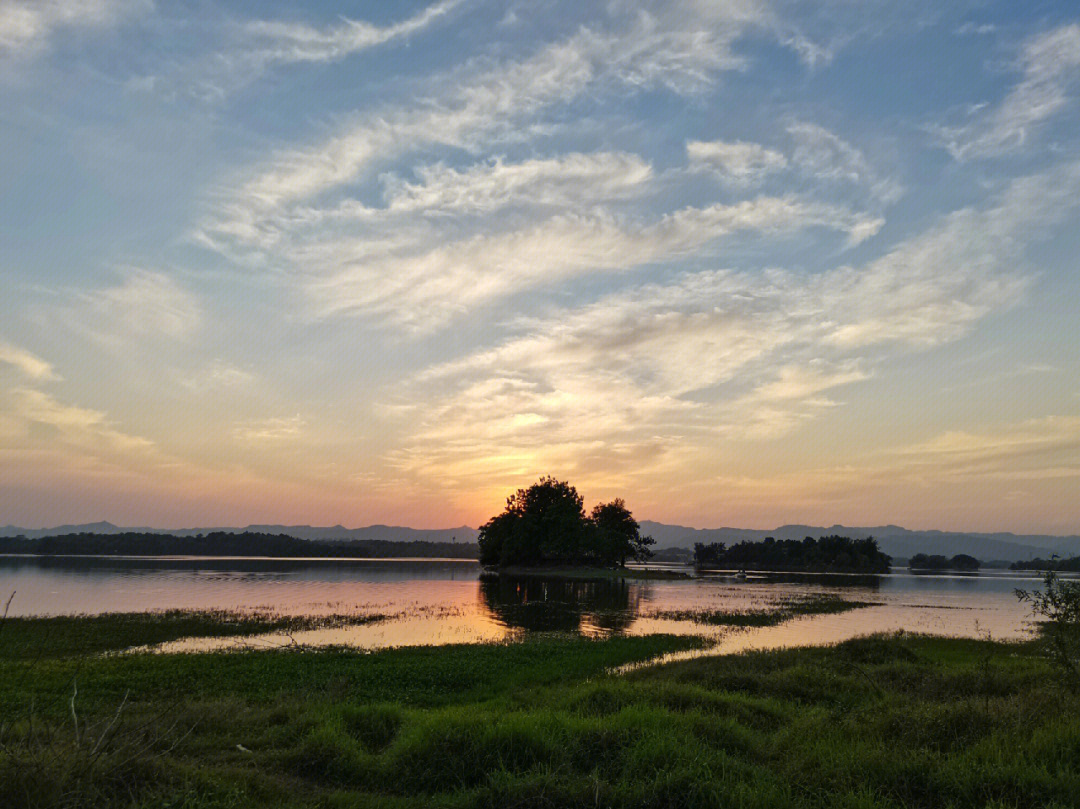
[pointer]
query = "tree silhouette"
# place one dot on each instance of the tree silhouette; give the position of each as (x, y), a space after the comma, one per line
(546, 524)
(831, 553)
(618, 533)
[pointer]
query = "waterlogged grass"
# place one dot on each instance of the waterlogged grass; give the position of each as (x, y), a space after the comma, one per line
(777, 614)
(896, 721)
(76, 636)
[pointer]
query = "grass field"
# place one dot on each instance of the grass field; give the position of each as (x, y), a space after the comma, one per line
(898, 721)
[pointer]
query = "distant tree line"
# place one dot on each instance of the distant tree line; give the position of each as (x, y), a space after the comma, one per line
(1071, 565)
(546, 524)
(961, 561)
(824, 555)
(680, 556)
(220, 543)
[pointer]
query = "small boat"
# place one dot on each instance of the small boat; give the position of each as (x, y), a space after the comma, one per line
(741, 574)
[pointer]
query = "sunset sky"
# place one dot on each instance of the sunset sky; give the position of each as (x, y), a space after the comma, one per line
(741, 263)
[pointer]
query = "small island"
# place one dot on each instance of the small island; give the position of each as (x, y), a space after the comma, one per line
(831, 554)
(546, 525)
(961, 562)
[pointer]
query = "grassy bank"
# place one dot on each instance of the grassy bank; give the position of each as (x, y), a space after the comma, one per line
(76, 636)
(882, 722)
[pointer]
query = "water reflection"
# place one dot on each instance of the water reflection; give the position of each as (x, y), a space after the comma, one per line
(446, 601)
(864, 581)
(57, 585)
(548, 604)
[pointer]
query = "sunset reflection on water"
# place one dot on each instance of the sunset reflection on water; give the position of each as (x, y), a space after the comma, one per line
(434, 602)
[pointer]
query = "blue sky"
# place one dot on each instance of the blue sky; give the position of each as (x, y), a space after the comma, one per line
(742, 263)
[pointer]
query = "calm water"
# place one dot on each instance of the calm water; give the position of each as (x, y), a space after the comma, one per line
(445, 601)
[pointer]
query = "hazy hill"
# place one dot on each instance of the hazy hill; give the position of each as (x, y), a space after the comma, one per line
(893, 539)
(386, 533)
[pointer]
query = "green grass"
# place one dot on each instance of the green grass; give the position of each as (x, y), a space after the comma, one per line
(80, 635)
(897, 721)
(777, 614)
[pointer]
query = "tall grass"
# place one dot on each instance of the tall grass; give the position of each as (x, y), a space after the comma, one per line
(897, 721)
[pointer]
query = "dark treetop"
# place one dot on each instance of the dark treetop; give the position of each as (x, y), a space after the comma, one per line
(828, 554)
(1071, 565)
(961, 561)
(546, 524)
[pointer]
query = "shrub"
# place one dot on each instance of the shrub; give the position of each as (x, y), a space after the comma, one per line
(1059, 605)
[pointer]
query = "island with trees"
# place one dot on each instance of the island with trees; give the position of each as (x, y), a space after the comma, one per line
(831, 554)
(961, 563)
(546, 525)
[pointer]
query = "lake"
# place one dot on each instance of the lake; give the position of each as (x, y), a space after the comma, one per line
(434, 601)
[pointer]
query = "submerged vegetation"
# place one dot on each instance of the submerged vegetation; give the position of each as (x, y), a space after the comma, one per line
(546, 524)
(831, 554)
(897, 721)
(776, 614)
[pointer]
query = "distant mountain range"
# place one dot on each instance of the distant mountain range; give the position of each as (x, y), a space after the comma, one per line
(896, 541)
(892, 539)
(392, 533)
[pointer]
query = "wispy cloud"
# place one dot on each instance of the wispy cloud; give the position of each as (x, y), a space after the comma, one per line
(274, 41)
(47, 443)
(967, 479)
(145, 303)
(217, 376)
(817, 32)
(27, 26)
(269, 430)
(442, 196)
(563, 181)
(826, 156)
(1050, 64)
(75, 427)
(635, 243)
(975, 29)
(814, 152)
(1009, 451)
(425, 290)
(257, 46)
(735, 161)
(26, 363)
(725, 355)
(670, 48)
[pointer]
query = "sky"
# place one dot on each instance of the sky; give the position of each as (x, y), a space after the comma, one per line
(739, 262)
